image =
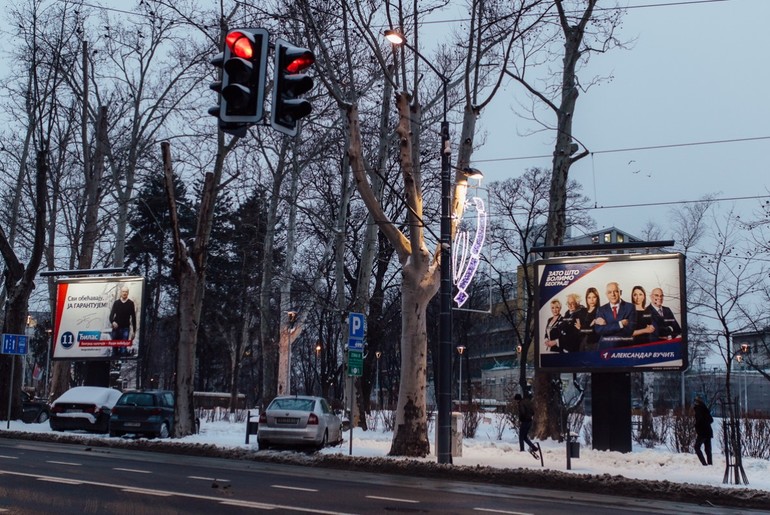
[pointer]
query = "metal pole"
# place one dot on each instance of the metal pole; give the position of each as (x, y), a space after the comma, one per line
(444, 440)
(377, 386)
(48, 364)
(10, 391)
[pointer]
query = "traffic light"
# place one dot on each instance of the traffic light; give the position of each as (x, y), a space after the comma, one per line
(242, 89)
(288, 85)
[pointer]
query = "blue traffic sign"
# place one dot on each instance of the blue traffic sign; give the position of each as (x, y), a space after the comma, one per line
(14, 344)
(356, 326)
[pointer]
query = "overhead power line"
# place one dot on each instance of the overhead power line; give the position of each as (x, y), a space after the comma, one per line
(631, 149)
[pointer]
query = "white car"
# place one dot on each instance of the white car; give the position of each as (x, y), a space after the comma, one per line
(298, 420)
(84, 407)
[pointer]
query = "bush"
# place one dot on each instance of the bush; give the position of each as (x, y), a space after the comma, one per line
(471, 419)
(755, 439)
(588, 428)
(682, 425)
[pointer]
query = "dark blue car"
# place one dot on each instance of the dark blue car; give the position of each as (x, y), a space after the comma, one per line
(145, 412)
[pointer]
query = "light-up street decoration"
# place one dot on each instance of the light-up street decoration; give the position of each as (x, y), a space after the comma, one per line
(467, 256)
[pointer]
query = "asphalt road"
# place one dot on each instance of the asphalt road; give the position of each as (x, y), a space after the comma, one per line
(45, 478)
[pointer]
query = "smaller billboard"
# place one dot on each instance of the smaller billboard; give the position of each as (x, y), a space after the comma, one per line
(617, 312)
(98, 318)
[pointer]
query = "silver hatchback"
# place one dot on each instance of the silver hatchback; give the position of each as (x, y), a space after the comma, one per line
(298, 420)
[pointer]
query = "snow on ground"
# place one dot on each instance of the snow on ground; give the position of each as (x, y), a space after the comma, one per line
(486, 449)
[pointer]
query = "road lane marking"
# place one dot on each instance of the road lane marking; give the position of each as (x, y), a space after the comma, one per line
(488, 510)
(285, 487)
(60, 480)
(248, 504)
(133, 470)
(9, 457)
(219, 500)
(202, 478)
(145, 491)
(394, 499)
(65, 463)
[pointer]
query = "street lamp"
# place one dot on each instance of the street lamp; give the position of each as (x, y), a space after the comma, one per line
(444, 425)
(460, 350)
(740, 357)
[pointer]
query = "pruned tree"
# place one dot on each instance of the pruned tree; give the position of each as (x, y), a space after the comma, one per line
(489, 39)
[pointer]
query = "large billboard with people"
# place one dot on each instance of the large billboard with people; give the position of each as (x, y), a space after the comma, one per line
(98, 318)
(611, 313)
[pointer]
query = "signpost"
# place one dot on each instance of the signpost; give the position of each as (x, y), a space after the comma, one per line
(13, 344)
(356, 331)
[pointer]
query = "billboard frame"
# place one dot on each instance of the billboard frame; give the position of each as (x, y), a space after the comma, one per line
(570, 275)
(83, 312)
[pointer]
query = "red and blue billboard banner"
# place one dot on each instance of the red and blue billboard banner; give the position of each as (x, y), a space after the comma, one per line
(617, 312)
(98, 318)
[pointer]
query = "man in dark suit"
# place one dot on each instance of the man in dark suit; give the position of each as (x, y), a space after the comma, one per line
(668, 327)
(615, 321)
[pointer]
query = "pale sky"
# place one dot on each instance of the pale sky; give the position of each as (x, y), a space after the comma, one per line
(698, 72)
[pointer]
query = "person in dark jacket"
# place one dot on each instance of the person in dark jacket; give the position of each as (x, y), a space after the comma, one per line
(526, 414)
(703, 420)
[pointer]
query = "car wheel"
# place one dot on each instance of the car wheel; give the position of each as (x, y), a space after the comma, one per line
(324, 440)
(42, 417)
(164, 432)
(114, 434)
(262, 444)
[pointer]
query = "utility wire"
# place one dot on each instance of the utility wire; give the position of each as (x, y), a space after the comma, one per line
(631, 149)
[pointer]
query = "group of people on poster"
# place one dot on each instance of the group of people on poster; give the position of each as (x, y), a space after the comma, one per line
(614, 323)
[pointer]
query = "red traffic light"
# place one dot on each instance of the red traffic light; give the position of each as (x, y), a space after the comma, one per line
(241, 44)
(298, 63)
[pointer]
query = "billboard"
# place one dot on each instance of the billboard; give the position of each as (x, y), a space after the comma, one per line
(611, 313)
(98, 318)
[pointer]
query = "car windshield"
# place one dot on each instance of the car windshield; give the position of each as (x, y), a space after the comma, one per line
(293, 404)
(137, 399)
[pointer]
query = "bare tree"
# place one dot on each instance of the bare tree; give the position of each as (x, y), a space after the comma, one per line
(727, 285)
(487, 41)
(522, 204)
(580, 32)
(48, 122)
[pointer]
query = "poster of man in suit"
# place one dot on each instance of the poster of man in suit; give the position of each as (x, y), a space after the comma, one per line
(98, 318)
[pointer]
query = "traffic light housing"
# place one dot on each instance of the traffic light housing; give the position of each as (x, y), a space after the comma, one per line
(242, 88)
(288, 85)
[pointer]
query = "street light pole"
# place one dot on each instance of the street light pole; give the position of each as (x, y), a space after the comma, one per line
(444, 440)
(444, 383)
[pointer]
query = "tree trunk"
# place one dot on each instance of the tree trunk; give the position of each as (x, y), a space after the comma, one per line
(410, 437)
(547, 404)
(269, 346)
(19, 285)
(189, 268)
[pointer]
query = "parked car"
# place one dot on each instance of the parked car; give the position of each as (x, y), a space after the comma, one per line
(145, 412)
(84, 407)
(298, 421)
(34, 411)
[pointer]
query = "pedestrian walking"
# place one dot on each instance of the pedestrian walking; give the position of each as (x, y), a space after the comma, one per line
(526, 414)
(703, 420)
